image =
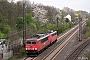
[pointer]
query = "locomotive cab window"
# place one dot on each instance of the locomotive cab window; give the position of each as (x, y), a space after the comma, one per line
(33, 42)
(28, 42)
(54, 34)
(45, 39)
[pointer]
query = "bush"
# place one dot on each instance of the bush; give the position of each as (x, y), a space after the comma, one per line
(19, 23)
(60, 29)
(87, 34)
(5, 28)
(50, 26)
(10, 58)
(88, 55)
(22, 51)
(88, 23)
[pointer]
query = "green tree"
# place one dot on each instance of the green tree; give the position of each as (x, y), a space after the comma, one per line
(88, 23)
(29, 22)
(50, 26)
(19, 23)
(87, 34)
(29, 19)
(60, 29)
(34, 26)
(5, 28)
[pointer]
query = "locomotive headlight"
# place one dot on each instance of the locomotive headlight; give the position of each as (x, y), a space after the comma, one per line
(32, 48)
(35, 48)
(26, 48)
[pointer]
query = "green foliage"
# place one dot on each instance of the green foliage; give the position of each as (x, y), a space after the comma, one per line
(29, 19)
(5, 28)
(88, 23)
(70, 25)
(10, 58)
(15, 57)
(60, 29)
(19, 23)
(64, 26)
(1, 35)
(19, 55)
(87, 34)
(34, 26)
(47, 26)
(10, 16)
(88, 55)
(29, 22)
(50, 26)
(22, 51)
(8, 40)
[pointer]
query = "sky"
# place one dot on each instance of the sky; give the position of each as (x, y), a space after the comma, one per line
(73, 4)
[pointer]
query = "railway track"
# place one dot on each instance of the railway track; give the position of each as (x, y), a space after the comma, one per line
(60, 46)
(74, 54)
(29, 58)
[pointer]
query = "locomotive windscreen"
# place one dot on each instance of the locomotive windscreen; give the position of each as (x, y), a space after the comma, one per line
(30, 42)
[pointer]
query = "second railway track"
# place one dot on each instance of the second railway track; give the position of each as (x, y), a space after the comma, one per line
(74, 54)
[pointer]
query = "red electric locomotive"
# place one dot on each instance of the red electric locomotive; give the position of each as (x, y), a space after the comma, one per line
(38, 42)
